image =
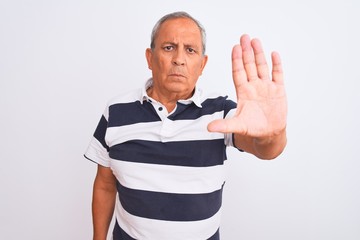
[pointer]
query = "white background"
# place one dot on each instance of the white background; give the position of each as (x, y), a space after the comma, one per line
(60, 62)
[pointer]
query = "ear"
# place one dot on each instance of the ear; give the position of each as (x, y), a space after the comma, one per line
(203, 64)
(148, 54)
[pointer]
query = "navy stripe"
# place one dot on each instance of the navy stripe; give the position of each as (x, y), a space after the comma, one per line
(134, 112)
(209, 106)
(130, 113)
(216, 236)
(202, 153)
(169, 206)
(119, 234)
(229, 105)
(100, 132)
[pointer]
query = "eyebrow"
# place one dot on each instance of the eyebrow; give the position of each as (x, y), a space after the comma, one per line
(176, 44)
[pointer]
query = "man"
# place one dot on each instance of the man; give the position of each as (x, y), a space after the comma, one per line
(162, 148)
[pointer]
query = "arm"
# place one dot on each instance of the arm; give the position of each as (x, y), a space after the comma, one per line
(266, 148)
(259, 124)
(104, 194)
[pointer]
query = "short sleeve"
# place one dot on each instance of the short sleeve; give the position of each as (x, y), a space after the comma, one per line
(229, 111)
(98, 150)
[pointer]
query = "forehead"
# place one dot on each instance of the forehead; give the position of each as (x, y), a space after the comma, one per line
(179, 29)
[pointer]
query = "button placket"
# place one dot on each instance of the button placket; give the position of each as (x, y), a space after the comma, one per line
(159, 108)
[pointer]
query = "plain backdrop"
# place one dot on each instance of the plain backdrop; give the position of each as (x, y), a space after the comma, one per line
(61, 61)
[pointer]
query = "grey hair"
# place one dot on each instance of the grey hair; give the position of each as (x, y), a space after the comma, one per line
(175, 15)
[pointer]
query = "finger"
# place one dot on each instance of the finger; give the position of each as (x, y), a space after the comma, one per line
(277, 71)
(230, 125)
(260, 60)
(238, 70)
(248, 58)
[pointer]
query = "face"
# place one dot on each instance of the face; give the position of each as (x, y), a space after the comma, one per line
(177, 60)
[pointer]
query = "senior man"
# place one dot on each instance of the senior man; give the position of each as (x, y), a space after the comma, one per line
(161, 149)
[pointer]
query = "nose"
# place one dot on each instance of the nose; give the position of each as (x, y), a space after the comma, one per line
(179, 58)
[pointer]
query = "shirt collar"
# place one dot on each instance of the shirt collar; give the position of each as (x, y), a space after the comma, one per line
(195, 98)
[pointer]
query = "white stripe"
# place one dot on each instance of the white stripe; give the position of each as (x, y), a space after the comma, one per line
(149, 229)
(167, 178)
(165, 131)
(126, 97)
(228, 136)
(97, 153)
(231, 113)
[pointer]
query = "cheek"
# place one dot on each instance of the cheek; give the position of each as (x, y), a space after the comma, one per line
(161, 64)
(197, 69)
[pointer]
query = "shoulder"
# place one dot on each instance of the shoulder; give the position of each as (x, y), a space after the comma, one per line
(125, 98)
(130, 96)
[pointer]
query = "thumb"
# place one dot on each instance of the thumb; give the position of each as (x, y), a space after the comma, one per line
(226, 126)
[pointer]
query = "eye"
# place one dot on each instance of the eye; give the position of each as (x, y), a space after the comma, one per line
(191, 50)
(168, 48)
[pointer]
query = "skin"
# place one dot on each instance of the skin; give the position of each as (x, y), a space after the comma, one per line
(103, 203)
(259, 124)
(176, 63)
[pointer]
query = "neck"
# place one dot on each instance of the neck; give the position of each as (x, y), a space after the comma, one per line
(169, 100)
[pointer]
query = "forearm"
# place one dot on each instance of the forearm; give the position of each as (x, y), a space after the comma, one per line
(102, 209)
(266, 148)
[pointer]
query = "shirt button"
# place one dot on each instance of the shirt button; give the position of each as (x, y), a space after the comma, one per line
(160, 108)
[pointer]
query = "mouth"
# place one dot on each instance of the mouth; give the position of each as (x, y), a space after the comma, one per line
(176, 75)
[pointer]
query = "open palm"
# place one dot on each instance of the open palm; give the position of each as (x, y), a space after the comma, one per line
(261, 99)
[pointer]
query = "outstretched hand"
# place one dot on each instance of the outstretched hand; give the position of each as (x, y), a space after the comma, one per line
(261, 100)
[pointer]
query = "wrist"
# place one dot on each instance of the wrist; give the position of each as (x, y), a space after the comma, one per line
(270, 147)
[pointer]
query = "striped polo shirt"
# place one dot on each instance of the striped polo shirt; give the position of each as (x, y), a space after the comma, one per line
(169, 168)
